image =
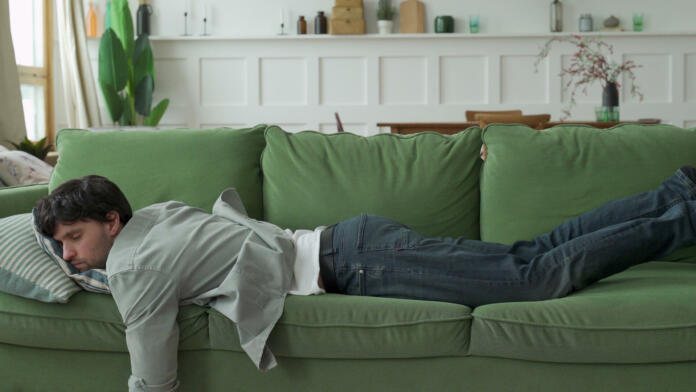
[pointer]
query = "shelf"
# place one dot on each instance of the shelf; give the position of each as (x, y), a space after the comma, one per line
(398, 36)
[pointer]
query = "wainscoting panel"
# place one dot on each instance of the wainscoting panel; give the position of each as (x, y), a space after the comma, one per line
(654, 78)
(343, 80)
(299, 82)
(227, 90)
(404, 80)
(690, 77)
(463, 80)
(519, 81)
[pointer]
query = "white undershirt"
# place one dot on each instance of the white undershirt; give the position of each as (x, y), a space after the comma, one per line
(306, 266)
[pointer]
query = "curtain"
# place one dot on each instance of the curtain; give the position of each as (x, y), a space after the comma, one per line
(81, 100)
(12, 126)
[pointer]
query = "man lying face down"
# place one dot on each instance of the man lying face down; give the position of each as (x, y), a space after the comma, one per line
(171, 254)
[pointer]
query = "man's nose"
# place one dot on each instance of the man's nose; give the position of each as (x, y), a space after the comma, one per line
(68, 253)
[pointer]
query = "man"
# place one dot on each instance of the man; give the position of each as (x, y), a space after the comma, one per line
(170, 254)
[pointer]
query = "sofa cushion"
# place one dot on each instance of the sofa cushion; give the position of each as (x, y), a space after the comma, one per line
(341, 326)
(645, 314)
(427, 181)
(25, 269)
(192, 166)
(533, 181)
(88, 322)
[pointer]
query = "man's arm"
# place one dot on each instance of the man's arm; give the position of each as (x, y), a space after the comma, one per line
(148, 302)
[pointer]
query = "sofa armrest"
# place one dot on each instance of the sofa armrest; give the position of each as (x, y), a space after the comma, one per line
(20, 199)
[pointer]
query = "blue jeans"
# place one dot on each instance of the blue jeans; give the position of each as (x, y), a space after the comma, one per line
(376, 256)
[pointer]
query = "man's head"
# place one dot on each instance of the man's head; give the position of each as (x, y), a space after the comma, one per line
(85, 215)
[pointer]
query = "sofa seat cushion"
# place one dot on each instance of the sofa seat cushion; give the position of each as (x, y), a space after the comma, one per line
(645, 314)
(341, 326)
(88, 322)
(427, 181)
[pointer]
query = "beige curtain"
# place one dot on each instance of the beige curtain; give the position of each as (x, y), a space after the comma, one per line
(81, 100)
(12, 126)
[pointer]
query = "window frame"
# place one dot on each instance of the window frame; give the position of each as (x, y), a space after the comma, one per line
(43, 76)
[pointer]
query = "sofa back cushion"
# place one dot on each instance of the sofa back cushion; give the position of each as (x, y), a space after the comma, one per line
(427, 181)
(192, 166)
(534, 180)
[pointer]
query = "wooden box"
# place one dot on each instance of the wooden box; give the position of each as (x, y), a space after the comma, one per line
(347, 26)
(349, 3)
(347, 13)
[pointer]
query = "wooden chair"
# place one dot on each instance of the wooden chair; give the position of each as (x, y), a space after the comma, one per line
(471, 114)
(536, 121)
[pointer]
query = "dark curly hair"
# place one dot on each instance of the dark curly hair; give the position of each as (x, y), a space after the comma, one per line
(89, 197)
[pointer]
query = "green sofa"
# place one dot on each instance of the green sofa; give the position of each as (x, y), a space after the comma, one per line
(633, 331)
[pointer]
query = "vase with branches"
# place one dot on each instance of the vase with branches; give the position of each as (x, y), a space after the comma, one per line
(590, 63)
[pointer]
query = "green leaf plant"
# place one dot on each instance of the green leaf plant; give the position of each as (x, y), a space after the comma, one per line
(38, 149)
(127, 72)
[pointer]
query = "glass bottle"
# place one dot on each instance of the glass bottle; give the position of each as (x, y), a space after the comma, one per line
(143, 18)
(320, 25)
(301, 25)
(91, 21)
(556, 16)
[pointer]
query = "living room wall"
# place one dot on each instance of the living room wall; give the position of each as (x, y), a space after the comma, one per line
(244, 17)
(244, 74)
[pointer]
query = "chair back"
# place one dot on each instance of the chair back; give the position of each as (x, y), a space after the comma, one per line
(536, 121)
(471, 114)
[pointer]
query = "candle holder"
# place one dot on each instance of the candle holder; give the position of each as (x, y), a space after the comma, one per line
(205, 27)
(186, 33)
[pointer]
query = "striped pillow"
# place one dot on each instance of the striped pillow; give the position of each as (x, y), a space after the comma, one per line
(94, 280)
(25, 269)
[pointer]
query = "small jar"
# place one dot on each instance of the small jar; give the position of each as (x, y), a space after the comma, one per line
(320, 25)
(585, 23)
(301, 25)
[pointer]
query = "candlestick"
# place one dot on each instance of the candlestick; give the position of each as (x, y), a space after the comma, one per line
(206, 12)
(187, 10)
(282, 21)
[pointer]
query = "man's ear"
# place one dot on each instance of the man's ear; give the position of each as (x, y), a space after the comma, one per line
(113, 222)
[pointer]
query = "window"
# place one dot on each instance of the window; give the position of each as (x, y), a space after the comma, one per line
(31, 26)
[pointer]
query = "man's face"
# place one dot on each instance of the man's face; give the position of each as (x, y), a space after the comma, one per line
(86, 243)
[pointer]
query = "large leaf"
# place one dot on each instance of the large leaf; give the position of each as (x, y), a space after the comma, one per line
(122, 23)
(114, 103)
(143, 96)
(113, 68)
(157, 112)
(127, 117)
(144, 65)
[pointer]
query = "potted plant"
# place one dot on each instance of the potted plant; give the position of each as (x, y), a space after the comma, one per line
(385, 14)
(38, 149)
(127, 72)
(590, 64)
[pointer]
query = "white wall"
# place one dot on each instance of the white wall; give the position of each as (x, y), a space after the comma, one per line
(235, 81)
(261, 17)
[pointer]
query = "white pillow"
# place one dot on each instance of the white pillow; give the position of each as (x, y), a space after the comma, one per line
(21, 168)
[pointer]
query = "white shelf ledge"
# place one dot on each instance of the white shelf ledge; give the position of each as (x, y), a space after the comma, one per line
(398, 36)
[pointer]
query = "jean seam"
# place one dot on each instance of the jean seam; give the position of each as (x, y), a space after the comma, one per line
(691, 191)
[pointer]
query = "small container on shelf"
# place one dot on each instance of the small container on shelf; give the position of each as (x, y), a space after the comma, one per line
(301, 25)
(320, 23)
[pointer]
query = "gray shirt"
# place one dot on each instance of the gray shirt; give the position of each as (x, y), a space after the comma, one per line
(171, 254)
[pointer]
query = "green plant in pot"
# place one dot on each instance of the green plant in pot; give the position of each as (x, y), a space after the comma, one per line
(385, 14)
(127, 72)
(38, 149)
